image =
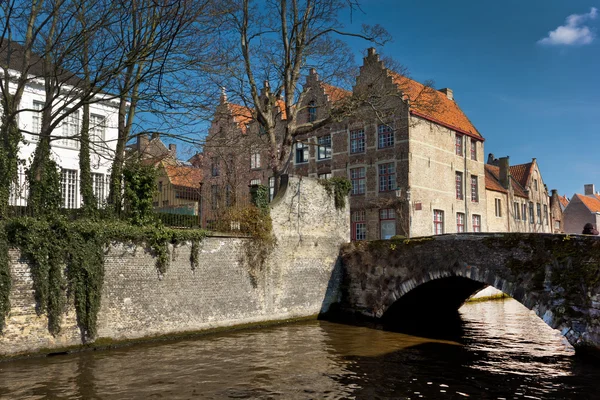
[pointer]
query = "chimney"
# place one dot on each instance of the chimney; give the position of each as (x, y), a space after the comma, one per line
(589, 189)
(492, 160)
(223, 95)
(155, 135)
(173, 150)
(448, 93)
(371, 51)
(504, 172)
(142, 142)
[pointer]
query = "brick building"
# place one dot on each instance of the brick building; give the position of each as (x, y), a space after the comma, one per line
(582, 208)
(414, 159)
(517, 198)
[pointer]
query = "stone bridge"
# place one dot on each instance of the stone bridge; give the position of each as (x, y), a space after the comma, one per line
(556, 276)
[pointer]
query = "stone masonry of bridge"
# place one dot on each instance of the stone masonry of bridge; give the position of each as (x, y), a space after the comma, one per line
(299, 280)
(556, 276)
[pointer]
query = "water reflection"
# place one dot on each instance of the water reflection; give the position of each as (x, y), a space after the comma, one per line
(504, 352)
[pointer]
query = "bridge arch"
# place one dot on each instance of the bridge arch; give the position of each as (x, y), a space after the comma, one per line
(556, 276)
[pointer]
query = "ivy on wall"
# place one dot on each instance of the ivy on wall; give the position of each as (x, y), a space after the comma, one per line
(338, 188)
(67, 257)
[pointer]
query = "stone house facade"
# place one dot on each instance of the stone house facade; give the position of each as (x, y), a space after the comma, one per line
(414, 159)
(517, 198)
(235, 156)
(581, 209)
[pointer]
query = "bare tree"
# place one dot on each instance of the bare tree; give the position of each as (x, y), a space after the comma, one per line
(275, 42)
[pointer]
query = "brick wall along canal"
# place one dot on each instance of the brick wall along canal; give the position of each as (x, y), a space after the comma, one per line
(505, 351)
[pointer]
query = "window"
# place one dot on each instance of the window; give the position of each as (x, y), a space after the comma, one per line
(535, 185)
(214, 197)
(324, 151)
(70, 131)
(517, 208)
(68, 186)
(387, 177)
(97, 130)
(385, 136)
(474, 189)
(228, 196)
(387, 223)
(524, 216)
(261, 130)
(271, 188)
(312, 111)
(458, 145)
(460, 222)
(473, 149)
(359, 227)
(459, 185)
(531, 217)
(98, 185)
(498, 204)
(255, 182)
(301, 153)
(214, 166)
(546, 214)
(326, 175)
(357, 176)
(539, 213)
(357, 141)
(160, 186)
(36, 119)
(255, 160)
(476, 223)
(438, 222)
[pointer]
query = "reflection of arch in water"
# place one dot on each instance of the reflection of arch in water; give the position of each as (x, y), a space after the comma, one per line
(552, 275)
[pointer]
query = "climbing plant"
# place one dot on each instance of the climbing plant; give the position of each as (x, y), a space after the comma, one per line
(5, 278)
(68, 258)
(338, 188)
(140, 187)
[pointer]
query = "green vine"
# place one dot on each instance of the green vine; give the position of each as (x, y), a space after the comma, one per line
(338, 188)
(260, 197)
(195, 254)
(140, 187)
(5, 278)
(68, 258)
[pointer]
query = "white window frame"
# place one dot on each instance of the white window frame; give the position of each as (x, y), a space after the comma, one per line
(324, 147)
(255, 160)
(69, 184)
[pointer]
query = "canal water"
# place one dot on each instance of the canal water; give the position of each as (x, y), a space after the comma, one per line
(503, 351)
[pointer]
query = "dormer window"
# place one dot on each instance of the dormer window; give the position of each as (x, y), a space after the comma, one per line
(312, 111)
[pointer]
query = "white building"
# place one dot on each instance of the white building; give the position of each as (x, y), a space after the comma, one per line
(103, 138)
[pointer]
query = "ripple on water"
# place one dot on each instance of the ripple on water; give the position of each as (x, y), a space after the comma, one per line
(505, 352)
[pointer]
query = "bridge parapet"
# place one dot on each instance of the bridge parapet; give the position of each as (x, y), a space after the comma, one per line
(556, 276)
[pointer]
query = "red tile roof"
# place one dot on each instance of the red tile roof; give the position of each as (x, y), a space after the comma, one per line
(563, 201)
(522, 172)
(335, 93)
(184, 176)
(492, 182)
(434, 105)
(491, 179)
(592, 203)
(242, 115)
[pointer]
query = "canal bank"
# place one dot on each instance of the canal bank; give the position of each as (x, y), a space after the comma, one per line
(223, 289)
(504, 352)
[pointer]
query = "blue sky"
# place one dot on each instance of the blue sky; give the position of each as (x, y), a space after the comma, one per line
(528, 96)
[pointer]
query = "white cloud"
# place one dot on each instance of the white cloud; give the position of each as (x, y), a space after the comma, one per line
(573, 32)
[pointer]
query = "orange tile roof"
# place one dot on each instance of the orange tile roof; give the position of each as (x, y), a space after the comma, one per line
(492, 181)
(242, 115)
(592, 203)
(563, 200)
(434, 105)
(184, 176)
(335, 93)
(521, 172)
